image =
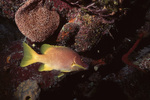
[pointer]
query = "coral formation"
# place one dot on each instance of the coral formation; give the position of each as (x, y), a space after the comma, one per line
(91, 32)
(35, 21)
(88, 24)
(85, 29)
(27, 90)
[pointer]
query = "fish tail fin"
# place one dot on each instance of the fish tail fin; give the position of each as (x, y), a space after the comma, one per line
(29, 56)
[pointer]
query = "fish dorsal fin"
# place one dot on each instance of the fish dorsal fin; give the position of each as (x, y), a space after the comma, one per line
(44, 48)
(44, 67)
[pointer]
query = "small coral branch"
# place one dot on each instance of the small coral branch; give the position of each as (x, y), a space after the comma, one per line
(125, 57)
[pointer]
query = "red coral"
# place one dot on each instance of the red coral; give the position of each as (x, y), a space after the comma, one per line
(125, 56)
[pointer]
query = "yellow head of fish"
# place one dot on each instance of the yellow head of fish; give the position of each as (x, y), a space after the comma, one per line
(53, 58)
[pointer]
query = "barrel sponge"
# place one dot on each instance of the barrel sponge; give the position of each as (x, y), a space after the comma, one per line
(35, 21)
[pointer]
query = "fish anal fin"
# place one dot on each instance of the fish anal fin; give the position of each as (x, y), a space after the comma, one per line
(44, 67)
(44, 48)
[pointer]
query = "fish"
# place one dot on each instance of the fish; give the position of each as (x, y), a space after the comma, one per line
(53, 57)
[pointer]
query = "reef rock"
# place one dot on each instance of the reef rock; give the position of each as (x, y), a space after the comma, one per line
(35, 21)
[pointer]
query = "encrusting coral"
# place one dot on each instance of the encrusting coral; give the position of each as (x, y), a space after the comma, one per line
(35, 21)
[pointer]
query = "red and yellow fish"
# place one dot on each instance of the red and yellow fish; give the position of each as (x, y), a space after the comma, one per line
(53, 58)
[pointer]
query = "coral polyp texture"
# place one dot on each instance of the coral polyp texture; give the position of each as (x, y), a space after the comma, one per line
(35, 21)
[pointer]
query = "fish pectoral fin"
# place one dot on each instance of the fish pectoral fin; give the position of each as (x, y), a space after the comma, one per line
(79, 66)
(44, 67)
(44, 48)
